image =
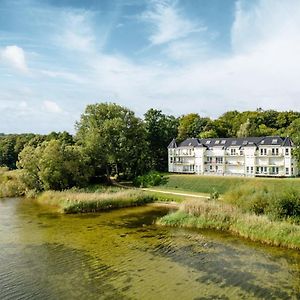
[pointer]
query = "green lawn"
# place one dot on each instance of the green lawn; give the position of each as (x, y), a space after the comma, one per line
(206, 184)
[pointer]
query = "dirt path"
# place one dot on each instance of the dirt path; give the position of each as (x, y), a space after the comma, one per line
(174, 193)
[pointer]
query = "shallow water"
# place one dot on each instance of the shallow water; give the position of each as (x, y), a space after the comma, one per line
(122, 255)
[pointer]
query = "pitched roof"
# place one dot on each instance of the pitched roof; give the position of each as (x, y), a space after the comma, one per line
(173, 144)
(190, 142)
(287, 142)
(236, 142)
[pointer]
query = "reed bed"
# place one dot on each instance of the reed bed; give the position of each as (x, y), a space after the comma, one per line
(204, 214)
(81, 202)
(11, 184)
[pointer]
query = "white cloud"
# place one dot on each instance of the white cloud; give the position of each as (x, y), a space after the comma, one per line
(52, 107)
(77, 34)
(62, 75)
(168, 23)
(263, 69)
(14, 56)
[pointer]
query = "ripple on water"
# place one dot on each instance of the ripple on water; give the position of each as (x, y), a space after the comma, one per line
(53, 271)
(121, 254)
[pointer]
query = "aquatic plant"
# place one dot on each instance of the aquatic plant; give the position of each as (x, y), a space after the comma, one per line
(206, 214)
(82, 202)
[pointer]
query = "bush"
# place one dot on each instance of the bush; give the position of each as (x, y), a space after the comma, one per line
(153, 178)
(251, 197)
(262, 199)
(214, 194)
(286, 205)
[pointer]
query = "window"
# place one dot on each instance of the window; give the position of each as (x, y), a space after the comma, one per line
(190, 151)
(217, 142)
(248, 169)
(287, 151)
(287, 171)
(274, 141)
(251, 170)
(263, 151)
(223, 142)
(241, 152)
(233, 151)
(219, 160)
(171, 159)
(275, 151)
(292, 171)
(207, 142)
(257, 169)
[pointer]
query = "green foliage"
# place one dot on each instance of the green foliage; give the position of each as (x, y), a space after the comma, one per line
(160, 130)
(260, 198)
(54, 165)
(11, 184)
(152, 178)
(214, 194)
(191, 125)
(114, 139)
(286, 205)
(220, 216)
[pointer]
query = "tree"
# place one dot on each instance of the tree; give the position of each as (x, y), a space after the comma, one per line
(294, 132)
(160, 130)
(113, 138)
(191, 125)
(54, 165)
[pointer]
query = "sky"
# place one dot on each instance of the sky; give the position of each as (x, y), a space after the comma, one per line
(180, 56)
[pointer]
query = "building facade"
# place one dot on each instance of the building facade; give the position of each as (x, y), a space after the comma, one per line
(251, 156)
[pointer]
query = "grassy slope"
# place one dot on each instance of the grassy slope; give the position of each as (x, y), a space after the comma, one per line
(205, 184)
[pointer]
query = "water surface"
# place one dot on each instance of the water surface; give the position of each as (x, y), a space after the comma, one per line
(121, 254)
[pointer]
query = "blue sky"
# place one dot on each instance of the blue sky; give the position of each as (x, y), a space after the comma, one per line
(204, 56)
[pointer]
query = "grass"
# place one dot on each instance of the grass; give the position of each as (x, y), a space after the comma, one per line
(10, 183)
(71, 202)
(208, 214)
(222, 184)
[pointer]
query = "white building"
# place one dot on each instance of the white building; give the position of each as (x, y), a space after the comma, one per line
(251, 156)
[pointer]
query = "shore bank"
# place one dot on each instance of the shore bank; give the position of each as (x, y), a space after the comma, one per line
(70, 202)
(208, 214)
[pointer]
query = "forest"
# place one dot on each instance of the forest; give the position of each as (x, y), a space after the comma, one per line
(110, 140)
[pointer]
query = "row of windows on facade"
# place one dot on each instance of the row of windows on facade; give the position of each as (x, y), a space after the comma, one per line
(250, 170)
(222, 142)
(263, 151)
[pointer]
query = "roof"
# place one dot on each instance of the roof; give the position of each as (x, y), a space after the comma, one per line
(235, 142)
(173, 144)
(190, 142)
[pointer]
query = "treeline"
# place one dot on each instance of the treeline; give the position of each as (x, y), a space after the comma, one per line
(111, 140)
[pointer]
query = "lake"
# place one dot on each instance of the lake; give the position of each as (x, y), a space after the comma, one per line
(122, 254)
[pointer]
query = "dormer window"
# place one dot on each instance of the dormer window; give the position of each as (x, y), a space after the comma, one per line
(217, 142)
(233, 143)
(223, 142)
(262, 142)
(207, 142)
(274, 141)
(245, 142)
